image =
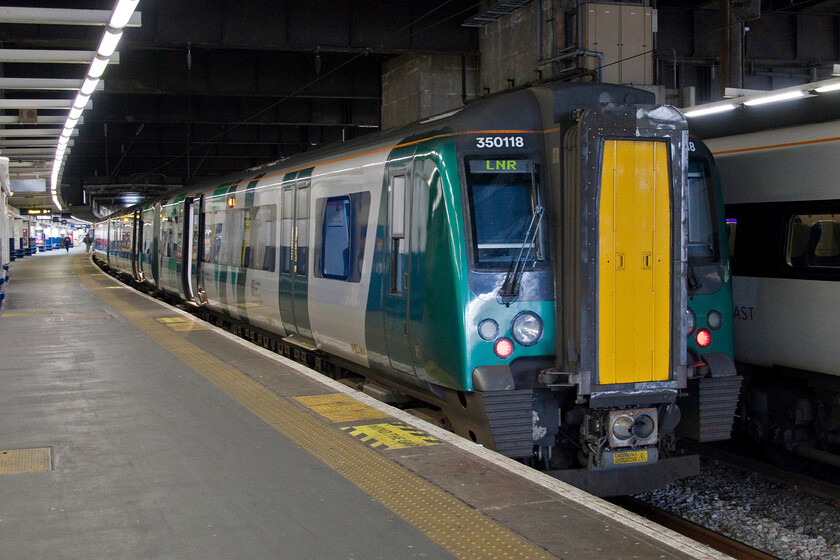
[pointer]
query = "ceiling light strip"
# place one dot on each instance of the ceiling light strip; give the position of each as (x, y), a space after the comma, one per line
(763, 98)
(121, 16)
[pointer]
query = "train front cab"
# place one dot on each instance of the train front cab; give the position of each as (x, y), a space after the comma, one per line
(623, 310)
(602, 231)
(708, 409)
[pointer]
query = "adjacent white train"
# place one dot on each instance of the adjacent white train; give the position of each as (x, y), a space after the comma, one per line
(782, 195)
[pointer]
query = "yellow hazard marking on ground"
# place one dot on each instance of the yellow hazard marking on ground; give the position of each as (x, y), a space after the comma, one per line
(16, 461)
(182, 324)
(459, 529)
(396, 435)
(338, 407)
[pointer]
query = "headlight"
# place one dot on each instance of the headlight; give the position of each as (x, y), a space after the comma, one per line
(691, 320)
(526, 328)
(633, 427)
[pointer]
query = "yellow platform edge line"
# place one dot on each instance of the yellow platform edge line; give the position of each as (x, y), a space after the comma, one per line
(457, 528)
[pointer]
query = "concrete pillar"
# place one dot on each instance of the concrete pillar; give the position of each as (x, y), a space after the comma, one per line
(418, 86)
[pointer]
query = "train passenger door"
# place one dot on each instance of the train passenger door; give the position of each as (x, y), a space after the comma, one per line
(294, 258)
(397, 284)
(136, 244)
(154, 256)
(193, 249)
(145, 240)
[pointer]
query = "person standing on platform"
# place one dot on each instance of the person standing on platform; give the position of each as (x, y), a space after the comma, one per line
(87, 241)
(67, 243)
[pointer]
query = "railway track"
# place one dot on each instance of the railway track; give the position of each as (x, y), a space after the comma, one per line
(802, 482)
(719, 542)
(747, 508)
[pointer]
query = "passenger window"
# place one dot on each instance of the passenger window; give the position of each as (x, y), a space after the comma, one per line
(731, 234)
(263, 227)
(813, 241)
(335, 251)
(244, 218)
(177, 235)
(302, 228)
(398, 222)
(340, 233)
(288, 222)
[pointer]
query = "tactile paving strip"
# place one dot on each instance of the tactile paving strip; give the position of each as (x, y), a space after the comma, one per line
(462, 531)
(338, 407)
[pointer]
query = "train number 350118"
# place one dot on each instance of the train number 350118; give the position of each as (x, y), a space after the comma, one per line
(500, 142)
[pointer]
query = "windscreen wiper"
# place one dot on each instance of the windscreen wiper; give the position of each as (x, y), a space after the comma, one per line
(510, 287)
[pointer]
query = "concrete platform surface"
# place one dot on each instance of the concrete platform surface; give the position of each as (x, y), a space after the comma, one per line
(130, 430)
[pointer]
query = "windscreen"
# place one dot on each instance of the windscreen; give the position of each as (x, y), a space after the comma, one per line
(503, 196)
(702, 229)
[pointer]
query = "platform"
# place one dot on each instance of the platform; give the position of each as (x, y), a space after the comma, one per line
(128, 429)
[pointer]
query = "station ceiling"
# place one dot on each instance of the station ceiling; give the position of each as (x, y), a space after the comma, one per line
(203, 88)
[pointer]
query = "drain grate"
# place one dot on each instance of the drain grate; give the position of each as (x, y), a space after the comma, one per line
(16, 461)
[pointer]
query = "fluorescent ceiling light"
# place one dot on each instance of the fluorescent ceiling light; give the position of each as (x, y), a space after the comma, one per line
(71, 123)
(832, 87)
(109, 43)
(81, 101)
(709, 110)
(89, 85)
(97, 67)
(75, 113)
(122, 13)
(773, 98)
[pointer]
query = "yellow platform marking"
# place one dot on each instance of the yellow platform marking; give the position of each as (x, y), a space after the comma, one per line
(16, 461)
(396, 435)
(181, 324)
(459, 529)
(338, 407)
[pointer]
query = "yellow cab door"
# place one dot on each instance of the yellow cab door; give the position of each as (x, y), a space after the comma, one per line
(634, 276)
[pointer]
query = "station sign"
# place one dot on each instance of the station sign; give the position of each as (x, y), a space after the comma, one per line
(37, 211)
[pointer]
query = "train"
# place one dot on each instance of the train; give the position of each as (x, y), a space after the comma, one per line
(522, 266)
(783, 220)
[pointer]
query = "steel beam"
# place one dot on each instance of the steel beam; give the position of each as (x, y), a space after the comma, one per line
(61, 16)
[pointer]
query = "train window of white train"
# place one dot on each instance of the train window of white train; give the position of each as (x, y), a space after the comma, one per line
(813, 241)
(263, 228)
(731, 234)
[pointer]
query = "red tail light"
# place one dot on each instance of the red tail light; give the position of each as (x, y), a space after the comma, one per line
(503, 348)
(703, 338)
